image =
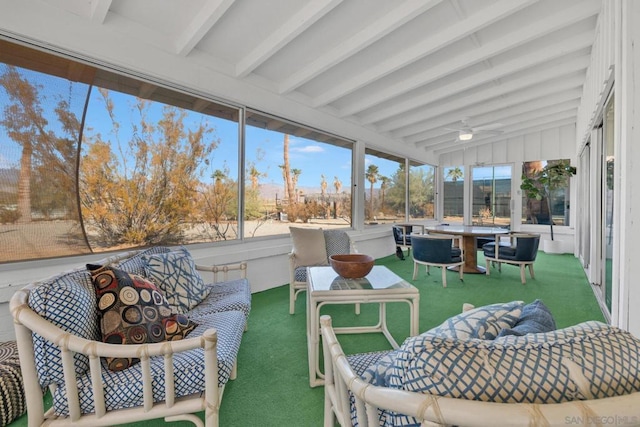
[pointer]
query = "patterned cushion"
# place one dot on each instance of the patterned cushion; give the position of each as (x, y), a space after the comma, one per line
(69, 302)
(133, 311)
(482, 322)
(535, 318)
(337, 242)
(123, 389)
(12, 395)
(588, 361)
(361, 365)
(224, 296)
(176, 275)
(137, 264)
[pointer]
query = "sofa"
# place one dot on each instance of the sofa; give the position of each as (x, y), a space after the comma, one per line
(136, 336)
(501, 364)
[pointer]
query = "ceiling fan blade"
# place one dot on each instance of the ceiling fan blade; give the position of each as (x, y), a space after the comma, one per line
(490, 126)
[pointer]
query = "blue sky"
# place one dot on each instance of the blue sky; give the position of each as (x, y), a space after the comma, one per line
(264, 148)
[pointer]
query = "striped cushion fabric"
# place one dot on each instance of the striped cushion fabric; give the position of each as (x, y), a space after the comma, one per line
(587, 361)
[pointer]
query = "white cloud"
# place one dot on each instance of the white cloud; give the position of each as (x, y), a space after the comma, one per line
(309, 149)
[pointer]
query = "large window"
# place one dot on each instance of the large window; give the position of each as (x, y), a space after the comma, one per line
(421, 191)
(93, 160)
(554, 208)
(385, 192)
(491, 193)
(294, 175)
(453, 194)
(154, 170)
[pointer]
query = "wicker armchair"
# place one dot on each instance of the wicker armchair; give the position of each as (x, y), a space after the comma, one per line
(351, 401)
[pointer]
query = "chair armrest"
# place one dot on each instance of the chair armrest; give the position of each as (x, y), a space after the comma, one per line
(292, 267)
(224, 270)
(27, 321)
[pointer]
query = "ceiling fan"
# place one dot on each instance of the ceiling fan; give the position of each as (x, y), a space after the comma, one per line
(466, 131)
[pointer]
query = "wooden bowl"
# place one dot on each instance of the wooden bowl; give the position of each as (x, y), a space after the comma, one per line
(352, 266)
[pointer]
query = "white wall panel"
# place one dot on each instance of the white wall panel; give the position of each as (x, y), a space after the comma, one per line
(550, 144)
(499, 152)
(515, 149)
(484, 154)
(532, 149)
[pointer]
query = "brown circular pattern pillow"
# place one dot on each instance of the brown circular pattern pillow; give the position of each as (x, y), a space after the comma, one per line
(133, 311)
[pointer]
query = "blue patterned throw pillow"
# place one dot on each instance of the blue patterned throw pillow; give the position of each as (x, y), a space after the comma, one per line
(176, 275)
(535, 318)
(482, 322)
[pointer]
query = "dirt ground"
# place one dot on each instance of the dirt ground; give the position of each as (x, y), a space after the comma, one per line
(47, 239)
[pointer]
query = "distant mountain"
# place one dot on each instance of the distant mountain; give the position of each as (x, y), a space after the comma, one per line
(269, 191)
(9, 180)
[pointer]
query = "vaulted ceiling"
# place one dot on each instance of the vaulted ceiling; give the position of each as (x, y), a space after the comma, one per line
(417, 71)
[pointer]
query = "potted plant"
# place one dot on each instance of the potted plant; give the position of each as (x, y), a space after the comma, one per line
(543, 183)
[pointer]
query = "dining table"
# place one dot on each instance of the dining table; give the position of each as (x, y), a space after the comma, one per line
(470, 234)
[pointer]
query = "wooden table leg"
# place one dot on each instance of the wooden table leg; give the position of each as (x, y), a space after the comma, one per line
(470, 257)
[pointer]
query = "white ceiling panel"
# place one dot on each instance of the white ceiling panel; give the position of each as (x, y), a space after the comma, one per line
(407, 70)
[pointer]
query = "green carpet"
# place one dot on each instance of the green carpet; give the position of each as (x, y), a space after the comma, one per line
(272, 387)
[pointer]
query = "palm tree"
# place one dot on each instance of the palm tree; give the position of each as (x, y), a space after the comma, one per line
(255, 176)
(455, 174)
(295, 174)
(372, 177)
(323, 186)
(337, 184)
(288, 181)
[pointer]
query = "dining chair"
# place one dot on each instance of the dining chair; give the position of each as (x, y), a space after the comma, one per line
(402, 236)
(437, 250)
(313, 247)
(521, 252)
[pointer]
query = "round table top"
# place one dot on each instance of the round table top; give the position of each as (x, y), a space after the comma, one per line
(468, 230)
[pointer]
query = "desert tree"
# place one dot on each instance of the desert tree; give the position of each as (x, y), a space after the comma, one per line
(138, 186)
(48, 158)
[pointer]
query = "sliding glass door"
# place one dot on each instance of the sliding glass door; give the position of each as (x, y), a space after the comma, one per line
(491, 195)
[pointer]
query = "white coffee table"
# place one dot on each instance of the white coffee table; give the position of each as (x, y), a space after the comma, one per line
(380, 286)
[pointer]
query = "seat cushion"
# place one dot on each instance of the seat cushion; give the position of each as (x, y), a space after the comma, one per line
(234, 295)
(591, 360)
(123, 389)
(176, 276)
(133, 311)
